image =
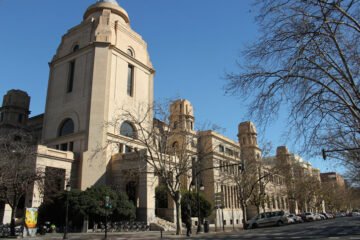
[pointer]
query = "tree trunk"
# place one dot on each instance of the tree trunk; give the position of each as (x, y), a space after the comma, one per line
(12, 222)
(244, 213)
(178, 214)
(258, 209)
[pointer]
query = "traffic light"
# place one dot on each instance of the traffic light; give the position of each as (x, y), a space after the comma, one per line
(323, 154)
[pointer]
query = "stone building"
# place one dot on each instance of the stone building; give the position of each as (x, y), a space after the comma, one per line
(333, 178)
(102, 70)
(298, 175)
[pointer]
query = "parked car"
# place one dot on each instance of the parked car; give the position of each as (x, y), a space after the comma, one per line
(309, 216)
(296, 218)
(290, 220)
(340, 214)
(355, 214)
(317, 216)
(276, 218)
(327, 215)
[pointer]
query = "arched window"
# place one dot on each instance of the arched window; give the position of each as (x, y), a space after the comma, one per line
(175, 145)
(75, 48)
(130, 52)
(66, 127)
(128, 130)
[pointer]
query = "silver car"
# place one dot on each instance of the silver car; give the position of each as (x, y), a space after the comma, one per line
(276, 218)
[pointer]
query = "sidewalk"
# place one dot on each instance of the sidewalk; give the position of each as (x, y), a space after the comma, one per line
(122, 235)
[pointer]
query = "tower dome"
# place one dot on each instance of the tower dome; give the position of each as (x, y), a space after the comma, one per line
(247, 127)
(109, 1)
(111, 5)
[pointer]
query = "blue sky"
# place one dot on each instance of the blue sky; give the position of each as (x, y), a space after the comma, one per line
(191, 44)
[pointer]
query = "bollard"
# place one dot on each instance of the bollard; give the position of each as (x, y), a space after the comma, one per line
(161, 233)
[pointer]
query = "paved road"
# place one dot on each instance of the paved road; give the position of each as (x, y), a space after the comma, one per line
(340, 228)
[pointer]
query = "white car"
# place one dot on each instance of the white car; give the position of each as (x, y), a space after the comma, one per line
(290, 220)
(276, 218)
(295, 218)
(310, 216)
(355, 214)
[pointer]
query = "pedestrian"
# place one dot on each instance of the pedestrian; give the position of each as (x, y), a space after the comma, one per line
(188, 227)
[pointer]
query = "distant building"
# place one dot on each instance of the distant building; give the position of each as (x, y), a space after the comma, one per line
(333, 178)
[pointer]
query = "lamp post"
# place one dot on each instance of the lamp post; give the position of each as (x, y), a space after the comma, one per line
(68, 188)
(198, 189)
(107, 206)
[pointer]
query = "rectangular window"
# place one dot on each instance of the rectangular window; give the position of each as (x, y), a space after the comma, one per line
(130, 80)
(1, 116)
(229, 152)
(128, 149)
(71, 76)
(71, 146)
(20, 118)
(63, 147)
(221, 148)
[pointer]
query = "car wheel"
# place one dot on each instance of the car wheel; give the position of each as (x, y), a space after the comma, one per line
(279, 223)
(254, 225)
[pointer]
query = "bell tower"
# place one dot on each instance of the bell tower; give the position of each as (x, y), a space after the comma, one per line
(15, 108)
(247, 136)
(100, 70)
(182, 116)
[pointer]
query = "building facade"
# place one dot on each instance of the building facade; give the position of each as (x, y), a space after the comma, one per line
(100, 72)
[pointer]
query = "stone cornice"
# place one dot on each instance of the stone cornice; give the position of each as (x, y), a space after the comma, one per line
(71, 55)
(219, 137)
(65, 138)
(55, 158)
(151, 70)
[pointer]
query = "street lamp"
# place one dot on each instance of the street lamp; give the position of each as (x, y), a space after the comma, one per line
(107, 206)
(198, 189)
(68, 189)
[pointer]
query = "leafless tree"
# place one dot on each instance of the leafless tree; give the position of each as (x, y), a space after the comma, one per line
(169, 152)
(251, 181)
(306, 60)
(18, 171)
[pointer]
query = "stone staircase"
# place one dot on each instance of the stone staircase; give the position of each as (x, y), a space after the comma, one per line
(159, 224)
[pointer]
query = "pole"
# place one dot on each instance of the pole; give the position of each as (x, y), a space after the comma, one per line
(105, 223)
(107, 206)
(107, 199)
(198, 202)
(222, 218)
(66, 216)
(232, 211)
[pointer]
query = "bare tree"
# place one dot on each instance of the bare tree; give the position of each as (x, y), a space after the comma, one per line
(18, 171)
(251, 181)
(169, 152)
(306, 59)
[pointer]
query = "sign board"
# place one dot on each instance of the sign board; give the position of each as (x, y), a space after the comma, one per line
(31, 217)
